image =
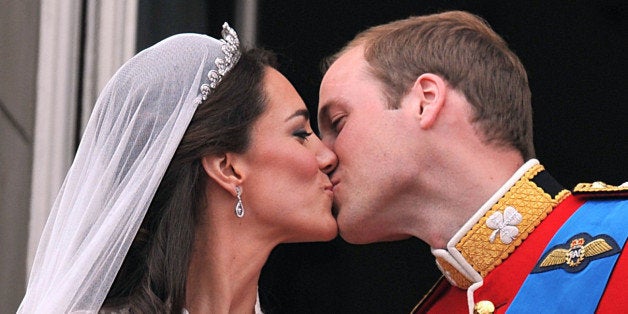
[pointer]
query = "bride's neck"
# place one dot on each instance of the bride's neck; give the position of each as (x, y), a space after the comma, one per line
(225, 267)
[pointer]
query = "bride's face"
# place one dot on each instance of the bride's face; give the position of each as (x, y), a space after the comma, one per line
(286, 185)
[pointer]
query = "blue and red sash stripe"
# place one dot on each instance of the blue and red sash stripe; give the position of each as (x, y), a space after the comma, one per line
(560, 291)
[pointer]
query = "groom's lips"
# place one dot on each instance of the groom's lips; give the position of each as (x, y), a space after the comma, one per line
(334, 182)
(334, 208)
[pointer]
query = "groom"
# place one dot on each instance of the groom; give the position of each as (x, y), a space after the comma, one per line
(432, 123)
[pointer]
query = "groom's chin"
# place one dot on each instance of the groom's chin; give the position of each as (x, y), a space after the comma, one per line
(354, 235)
(356, 231)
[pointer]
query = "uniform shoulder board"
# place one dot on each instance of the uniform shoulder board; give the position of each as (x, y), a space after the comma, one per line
(601, 189)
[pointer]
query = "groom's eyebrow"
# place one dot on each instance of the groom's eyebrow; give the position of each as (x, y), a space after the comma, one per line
(300, 113)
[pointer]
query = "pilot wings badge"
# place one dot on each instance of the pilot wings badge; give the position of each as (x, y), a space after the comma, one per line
(576, 254)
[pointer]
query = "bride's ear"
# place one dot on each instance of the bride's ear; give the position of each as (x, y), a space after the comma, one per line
(222, 169)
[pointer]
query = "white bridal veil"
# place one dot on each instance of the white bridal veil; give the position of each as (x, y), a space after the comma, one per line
(134, 130)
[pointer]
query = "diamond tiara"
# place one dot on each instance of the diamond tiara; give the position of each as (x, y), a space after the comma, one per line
(231, 48)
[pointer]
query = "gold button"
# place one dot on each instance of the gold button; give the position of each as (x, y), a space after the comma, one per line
(484, 307)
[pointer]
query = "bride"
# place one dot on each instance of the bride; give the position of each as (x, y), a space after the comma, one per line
(197, 161)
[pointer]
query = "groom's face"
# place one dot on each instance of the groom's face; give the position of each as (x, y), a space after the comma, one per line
(371, 143)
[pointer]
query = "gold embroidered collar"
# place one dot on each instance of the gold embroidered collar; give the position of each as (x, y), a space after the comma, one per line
(500, 225)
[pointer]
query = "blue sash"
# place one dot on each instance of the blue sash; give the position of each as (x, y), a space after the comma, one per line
(558, 287)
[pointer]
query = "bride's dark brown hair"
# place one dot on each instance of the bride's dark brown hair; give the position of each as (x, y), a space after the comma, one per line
(153, 276)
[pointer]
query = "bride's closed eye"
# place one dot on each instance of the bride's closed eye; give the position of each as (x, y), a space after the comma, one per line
(302, 134)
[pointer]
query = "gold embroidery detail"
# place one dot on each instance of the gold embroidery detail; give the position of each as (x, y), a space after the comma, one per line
(453, 274)
(533, 171)
(530, 201)
(561, 196)
(576, 253)
(599, 186)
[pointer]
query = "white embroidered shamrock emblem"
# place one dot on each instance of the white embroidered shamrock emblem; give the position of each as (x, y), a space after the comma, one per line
(505, 224)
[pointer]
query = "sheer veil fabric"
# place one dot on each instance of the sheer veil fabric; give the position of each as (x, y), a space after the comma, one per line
(134, 130)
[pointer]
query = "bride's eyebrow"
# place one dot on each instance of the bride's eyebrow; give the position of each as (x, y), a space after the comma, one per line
(300, 113)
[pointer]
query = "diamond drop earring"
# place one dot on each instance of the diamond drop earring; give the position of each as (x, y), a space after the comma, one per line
(239, 209)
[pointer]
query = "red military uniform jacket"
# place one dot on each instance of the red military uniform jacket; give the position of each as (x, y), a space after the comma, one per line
(535, 247)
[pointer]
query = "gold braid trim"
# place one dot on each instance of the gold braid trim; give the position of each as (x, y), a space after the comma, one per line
(533, 171)
(601, 189)
(454, 275)
(561, 196)
(530, 201)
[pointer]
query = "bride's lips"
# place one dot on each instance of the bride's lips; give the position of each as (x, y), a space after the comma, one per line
(334, 207)
(334, 182)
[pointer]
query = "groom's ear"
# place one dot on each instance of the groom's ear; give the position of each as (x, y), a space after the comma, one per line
(224, 170)
(429, 90)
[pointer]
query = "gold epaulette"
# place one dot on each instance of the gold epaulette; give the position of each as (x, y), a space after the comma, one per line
(600, 189)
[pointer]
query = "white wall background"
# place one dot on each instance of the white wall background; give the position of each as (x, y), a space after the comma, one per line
(19, 37)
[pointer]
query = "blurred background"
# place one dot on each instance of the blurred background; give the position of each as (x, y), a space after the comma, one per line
(56, 55)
